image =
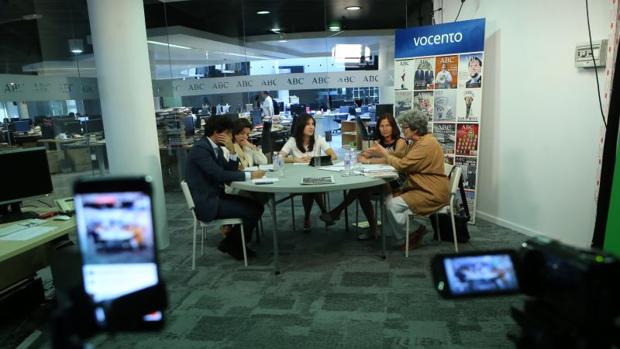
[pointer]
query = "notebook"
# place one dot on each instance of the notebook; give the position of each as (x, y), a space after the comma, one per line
(318, 180)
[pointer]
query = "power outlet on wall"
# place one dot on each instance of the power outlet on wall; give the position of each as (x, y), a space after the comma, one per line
(584, 53)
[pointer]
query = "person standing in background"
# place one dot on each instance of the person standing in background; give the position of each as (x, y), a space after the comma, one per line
(267, 105)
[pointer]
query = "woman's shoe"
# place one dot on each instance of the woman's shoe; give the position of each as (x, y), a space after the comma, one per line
(307, 226)
(367, 235)
(415, 238)
(327, 218)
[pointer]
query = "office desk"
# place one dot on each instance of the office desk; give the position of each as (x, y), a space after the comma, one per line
(25, 139)
(96, 149)
(20, 259)
(290, 183)
(56, 144)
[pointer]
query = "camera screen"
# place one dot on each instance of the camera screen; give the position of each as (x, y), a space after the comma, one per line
(471, 275)
(116, 236)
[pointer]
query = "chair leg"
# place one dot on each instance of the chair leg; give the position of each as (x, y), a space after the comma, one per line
(292, 212)
(357, 219)
(259, 232)
(456, 246)
(245, 255)
(202, 244)
(346, 213)
(194, 247)
(407, 238)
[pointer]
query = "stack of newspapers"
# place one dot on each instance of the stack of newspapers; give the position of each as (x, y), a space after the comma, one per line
(379, 171)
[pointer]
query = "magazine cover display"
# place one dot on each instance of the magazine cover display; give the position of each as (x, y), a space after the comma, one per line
(469, 105)
(423, 101)
(467, 139)
(446, 83)
(424, 75)
(470, 70)
(445, 136)
(469, 167)
(403, 101)
(403, 75)
(445, 105)
(446, 72)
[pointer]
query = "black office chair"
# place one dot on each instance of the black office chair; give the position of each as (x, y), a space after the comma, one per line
(362, 131)
(266, 141)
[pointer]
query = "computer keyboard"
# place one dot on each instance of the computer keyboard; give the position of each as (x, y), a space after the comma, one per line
(21, 225)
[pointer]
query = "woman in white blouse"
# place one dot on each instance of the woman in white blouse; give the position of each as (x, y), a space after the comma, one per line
(301, 148)
(249, 154)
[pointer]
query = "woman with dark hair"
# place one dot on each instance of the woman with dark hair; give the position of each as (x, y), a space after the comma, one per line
(249, 154)
(389, 138)
(302, 147)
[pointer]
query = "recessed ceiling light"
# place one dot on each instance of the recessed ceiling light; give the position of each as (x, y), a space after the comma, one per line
(334, 28)
(275, 30)
(353, 8)
(262, 12)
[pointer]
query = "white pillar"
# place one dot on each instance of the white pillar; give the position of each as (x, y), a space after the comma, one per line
(126, 95)
(386, 66)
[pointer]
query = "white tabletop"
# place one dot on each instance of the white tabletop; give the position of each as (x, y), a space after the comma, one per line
(291, 181)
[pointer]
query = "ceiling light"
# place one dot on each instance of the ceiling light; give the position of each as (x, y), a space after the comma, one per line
(167, 44)
(353, 8)
(334, 28)
(32, 16)
(275, 30)
(282, 40)
(262, 12)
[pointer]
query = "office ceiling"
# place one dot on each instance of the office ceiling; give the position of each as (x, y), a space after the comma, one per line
(231, 28)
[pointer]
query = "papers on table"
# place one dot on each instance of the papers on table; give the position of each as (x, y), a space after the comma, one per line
(318, 180)
(265, 180)
(376, 168)
(266, 167)
(27, 234)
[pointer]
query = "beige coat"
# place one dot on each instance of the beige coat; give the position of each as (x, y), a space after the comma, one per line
(427, 186)
(249, 157)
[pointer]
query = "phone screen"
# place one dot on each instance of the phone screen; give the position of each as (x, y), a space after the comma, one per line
(482, 274)
(117, 243)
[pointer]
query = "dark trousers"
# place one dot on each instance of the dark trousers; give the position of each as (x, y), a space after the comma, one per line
(235, 206)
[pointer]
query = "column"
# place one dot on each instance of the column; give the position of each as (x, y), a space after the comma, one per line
(126, 94)
(386, 67)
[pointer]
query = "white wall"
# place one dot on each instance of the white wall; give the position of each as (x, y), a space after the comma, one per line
(540, 121)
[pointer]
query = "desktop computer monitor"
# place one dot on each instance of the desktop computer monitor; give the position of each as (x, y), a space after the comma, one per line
(256, 117)
(232, 116)
(343, 109)
(20, 126)
(92, 126)
(189, 126)
(298, 109)
(381, 109)
(26, 173)
(68, 127)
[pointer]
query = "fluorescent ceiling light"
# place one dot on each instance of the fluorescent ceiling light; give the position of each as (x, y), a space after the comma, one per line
(262, 12)
(353, 8)
(282, 40)
(167, 44)
(275, 30)
(334, 28)
(76, 51)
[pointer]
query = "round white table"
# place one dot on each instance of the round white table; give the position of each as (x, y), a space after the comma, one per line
(290, 183)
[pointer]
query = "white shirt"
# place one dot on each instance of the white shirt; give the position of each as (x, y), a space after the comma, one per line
(290, 147)
(267, 106)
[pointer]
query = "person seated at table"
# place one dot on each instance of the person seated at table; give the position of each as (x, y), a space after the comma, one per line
(249, 154)
(389, 138)
(301, 147)
(427, 186)
(207, 170)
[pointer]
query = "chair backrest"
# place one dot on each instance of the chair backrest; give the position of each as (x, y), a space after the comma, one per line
(361, 129)
(454, 180)
(266, 142)
(188, 195)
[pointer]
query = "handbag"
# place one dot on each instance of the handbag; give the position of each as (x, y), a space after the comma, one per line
(461, 218)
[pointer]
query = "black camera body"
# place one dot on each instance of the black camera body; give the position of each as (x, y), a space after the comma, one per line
(573, 294)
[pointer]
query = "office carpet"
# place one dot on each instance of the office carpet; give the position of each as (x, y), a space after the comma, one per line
(334, 292)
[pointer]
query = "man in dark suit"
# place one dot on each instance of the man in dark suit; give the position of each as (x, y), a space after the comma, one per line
(207, 171)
